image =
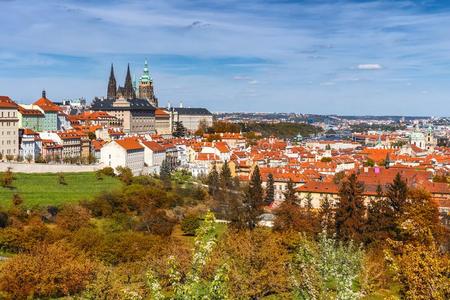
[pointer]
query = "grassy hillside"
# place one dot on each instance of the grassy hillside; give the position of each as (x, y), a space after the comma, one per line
(44, 189)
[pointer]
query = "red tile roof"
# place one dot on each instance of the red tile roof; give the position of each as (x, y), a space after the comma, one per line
(130, 144)
(47, 105)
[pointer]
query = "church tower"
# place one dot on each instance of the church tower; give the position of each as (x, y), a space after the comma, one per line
(146, 87)
(128, 88)
(112, 86)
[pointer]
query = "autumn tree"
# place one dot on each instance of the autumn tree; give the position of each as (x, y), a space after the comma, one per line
(72, 217)
(422, 270)
(270, 190)
(251, 253)
(7, 178)
(350, 210)
(125, 174)
(191, 286)
(213, 182)
(48, 271)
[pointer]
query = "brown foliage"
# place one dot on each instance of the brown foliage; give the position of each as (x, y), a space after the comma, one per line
(257, 262)
(48, 271)
(73, 217)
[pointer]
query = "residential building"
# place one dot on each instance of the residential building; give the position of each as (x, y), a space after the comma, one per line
(127, 152)
(154, 154)
(9, 127)
(30, 144)
(30, 118)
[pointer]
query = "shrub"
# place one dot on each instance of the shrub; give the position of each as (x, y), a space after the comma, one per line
(48, 271)
(190, 224)
(73, 217)
(107, 171)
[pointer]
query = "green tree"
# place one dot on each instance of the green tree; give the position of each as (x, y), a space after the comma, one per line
(270, 190)
(289, 195)
(226, 181)
(326, 216)
(213, 182)
(253, 199)
(350, 210)
(180, 130)
(165, 173)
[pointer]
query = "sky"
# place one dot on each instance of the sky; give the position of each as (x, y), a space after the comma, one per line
(321, 57)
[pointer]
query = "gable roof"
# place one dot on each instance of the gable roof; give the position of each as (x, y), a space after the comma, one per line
(129, 144)
(47, 105)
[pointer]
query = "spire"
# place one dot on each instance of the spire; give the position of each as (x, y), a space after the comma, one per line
(129, 91)
(112, 85)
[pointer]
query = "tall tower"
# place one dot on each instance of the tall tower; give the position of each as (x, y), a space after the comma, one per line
(129, 91)
(112, 86)
(146, 86)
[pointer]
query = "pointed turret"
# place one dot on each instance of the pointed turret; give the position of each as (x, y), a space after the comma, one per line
(112, 85)
(129, 91)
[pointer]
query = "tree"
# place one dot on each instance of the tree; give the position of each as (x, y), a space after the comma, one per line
(48, 271)
(180, 130)
(190, 224)
(290, 195)
(17, 200)
(61, 179)
(421, 269)
(29, 158)
(253, 199)
(226, 181)
(213, 182)
(350, 210)
(125, 174)
(191, 286)
(326, 270)
(73, 217)
(165, 173)
(7, 178)
(270, 190)
(397, 193)
(251, 254)
(326, 216)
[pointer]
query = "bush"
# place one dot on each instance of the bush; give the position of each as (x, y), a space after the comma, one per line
(190, 224)
(73, 217)
(48, 271)
(107, 171)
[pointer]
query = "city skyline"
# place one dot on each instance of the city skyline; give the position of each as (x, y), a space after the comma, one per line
(345, 57)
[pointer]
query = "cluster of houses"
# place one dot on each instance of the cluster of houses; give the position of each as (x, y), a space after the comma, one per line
(134, 134)
(47, 131)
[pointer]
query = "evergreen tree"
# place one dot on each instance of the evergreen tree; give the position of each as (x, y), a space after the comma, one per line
(270, 190)
(165, 173)
(180, 130)
(397, 193)
(350, 210)
(289, 194)
(226, 181)
(253, 199)
(213, 182)
(326, 215)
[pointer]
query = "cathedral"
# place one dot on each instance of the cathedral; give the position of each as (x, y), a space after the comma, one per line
(142, 90)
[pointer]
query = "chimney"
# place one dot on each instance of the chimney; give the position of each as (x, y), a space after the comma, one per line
(44, 94)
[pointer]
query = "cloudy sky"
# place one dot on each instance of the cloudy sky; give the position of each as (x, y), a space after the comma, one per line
(327, 57)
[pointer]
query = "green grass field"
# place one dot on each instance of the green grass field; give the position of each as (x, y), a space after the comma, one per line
(44, 189)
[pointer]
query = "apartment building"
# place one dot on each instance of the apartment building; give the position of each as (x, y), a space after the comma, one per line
(9, 127)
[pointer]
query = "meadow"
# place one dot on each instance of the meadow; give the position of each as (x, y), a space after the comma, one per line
(45, 189)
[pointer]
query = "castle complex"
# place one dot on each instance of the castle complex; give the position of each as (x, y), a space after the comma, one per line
(143, 90)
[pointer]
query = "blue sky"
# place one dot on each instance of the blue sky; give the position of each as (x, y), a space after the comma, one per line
(327, 57)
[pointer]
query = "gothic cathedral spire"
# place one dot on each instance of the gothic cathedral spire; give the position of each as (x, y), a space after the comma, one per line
(112, 85)
(129, 90)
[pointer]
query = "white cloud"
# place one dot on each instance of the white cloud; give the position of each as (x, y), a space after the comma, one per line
(370, 67)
